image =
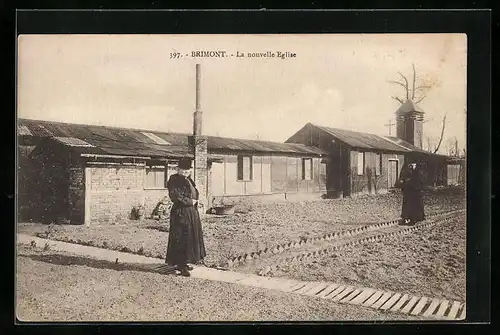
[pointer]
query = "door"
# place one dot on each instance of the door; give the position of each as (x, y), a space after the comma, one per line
(217, 180)
(392, 172)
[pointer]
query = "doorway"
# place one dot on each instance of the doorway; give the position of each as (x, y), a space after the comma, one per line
(392, 172)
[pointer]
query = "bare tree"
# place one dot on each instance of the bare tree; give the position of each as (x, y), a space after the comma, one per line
(442, 133)
(415, 93)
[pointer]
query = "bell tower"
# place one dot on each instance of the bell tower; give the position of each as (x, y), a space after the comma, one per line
(409, 123)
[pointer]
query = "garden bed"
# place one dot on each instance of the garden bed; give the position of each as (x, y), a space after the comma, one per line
(264, 226)
(428, 262)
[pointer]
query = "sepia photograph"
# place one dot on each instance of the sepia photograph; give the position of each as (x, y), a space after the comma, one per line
(245, 177)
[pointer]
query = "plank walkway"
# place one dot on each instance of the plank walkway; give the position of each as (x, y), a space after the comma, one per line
(361, 296)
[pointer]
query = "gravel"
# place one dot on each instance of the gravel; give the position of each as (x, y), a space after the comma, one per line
(429, 262)
(264, 225)
(63, 287)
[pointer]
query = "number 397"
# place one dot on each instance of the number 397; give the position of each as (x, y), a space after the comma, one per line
(175, 55)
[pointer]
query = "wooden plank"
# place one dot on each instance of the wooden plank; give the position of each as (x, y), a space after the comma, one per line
(351, 295)
(409, 305)
(306, 288)
(367, 292)
(335, 292)
(316, 288)
(345, 292)
(381, 301)
(463, 314)
(390, 302)
(432, 307)
(420, 305)
(373, 298)
(400, 303)
(454, 310)
(442, 308)
(294, 287)
(328, 290)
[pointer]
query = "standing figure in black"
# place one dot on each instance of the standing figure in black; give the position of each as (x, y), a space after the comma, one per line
(185, 241)
(412, 186)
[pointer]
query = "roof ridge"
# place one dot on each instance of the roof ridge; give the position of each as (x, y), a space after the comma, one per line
(100, 125)
(341, 129)
(160, 132)
(393, 142)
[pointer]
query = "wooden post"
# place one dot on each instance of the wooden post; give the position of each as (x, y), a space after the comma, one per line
(88, 185)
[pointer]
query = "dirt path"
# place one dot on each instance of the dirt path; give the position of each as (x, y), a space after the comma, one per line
(64, 287)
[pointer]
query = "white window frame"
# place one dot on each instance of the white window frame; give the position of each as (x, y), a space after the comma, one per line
(155, 168)
(362, 155)
(305, 175)
(241, 160)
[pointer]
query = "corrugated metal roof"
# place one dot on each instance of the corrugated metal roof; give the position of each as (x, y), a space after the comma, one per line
(362, 140)
(123, 140)
(22, 130)
(73, 142)
(405, 144)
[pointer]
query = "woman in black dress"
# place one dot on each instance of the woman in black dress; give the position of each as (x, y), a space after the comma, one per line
(185, 241)
(411, 186)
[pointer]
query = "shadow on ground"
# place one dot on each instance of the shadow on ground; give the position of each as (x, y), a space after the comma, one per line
(65, 260)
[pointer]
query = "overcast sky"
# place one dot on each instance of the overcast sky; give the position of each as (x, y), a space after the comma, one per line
(335, 80)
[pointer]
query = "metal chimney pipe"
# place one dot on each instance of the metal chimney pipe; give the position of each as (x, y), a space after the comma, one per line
(198, 82)
(197, 119)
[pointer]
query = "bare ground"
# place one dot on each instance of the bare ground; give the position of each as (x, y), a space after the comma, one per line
(63, 287)
(264, 225)
(429, 262)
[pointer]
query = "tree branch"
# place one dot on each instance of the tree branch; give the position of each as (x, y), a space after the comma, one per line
(420, 99)
(398, 83)
(442, 133)
(406, 87)
(398, 99)
(422, 87)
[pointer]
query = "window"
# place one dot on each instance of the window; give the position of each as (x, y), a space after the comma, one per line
(245, 168)
(378, 164)
(361, 163)
(155, 177)
(307, 171)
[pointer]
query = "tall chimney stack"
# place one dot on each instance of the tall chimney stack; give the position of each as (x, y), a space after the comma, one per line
(198, 144)
(197, 119)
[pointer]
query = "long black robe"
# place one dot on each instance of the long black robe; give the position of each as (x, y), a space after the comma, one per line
(185, 241)
(413, 205)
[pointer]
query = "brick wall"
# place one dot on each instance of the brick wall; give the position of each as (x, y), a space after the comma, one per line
(116, 189)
